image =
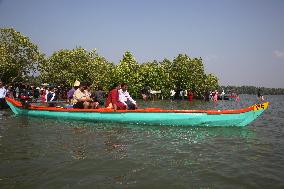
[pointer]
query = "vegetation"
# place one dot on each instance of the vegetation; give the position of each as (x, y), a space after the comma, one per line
(252, 90)
(20, 59)
(66, 66)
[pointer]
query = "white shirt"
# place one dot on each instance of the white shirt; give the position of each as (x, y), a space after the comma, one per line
(172, 93)
(124, 96)
(3, 92)
(45, 97)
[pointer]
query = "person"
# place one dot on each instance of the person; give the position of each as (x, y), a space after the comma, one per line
(206, 96)
(70, 93)
(172, 94)
(125, 98)
(190, 95)
(181, 94)
(3, 93)
(237, 97)
(9, 92)
(145, 92)
(37, 93)
(17, 91)
(80, 99)
(215, 97)
(259, 95)
(93, 103)
(98, 95)
(44, 92)
(51, 97)
(222, 94)
(112, 100)
(211, 94)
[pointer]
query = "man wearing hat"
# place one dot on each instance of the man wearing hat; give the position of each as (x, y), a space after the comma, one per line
(71, 92)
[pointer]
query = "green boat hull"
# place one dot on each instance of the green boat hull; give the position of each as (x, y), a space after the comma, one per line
(167, 118)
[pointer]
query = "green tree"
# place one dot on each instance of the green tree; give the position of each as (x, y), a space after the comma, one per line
(127, 72)
(187, 73)
(19, 57)
(211, 82)
(66, 66)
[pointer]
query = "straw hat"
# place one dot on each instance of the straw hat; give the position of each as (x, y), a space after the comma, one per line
(77, 83)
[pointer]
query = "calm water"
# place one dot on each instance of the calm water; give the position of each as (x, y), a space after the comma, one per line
(47, 153)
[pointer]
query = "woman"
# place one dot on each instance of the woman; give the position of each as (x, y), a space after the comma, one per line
(93, 104)
(113, 99)
(215, 97)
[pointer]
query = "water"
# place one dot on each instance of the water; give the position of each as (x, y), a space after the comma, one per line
(50, 153)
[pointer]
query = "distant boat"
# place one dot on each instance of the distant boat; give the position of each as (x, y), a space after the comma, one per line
(147, 116)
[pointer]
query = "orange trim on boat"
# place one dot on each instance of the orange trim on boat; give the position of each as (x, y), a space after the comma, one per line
(146, 110)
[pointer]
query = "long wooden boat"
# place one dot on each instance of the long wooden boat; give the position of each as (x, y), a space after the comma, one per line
(148, 116)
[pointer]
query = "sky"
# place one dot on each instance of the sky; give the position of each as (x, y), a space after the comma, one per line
(240, 41)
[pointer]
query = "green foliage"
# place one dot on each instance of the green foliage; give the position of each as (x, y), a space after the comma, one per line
(127, 72)
(66, 66)
(19, 57)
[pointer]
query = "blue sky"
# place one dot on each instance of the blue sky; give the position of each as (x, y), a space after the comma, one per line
(240, 41)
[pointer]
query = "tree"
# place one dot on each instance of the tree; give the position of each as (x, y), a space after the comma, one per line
(66, 66)
(187, 73)
(127, 72)
(19, 57)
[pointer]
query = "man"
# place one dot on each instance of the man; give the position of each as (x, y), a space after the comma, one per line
(126, 99)
(3, 93)
(71, 92)
(81, 99)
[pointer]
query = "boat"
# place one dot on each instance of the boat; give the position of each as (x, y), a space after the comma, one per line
(147, 116)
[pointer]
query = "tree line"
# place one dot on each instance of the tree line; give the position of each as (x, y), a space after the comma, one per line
(21, 61)
(252, 90)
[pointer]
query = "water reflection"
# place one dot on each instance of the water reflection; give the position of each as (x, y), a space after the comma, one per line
(83, 139)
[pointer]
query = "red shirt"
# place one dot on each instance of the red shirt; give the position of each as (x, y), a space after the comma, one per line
(113, 97)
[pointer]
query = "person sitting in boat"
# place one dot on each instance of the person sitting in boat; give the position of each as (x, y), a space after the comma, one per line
(71, 92)
(113, 99)
(51, 97)
(125, 98)
(98, 96)
(93, 103)
(80, 98)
